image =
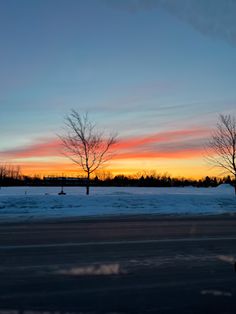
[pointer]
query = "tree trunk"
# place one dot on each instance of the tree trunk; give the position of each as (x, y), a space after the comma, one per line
(88, 184)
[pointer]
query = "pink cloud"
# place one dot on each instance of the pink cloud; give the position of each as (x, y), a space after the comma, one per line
(171, 144)
(44, 148)
(162, 137)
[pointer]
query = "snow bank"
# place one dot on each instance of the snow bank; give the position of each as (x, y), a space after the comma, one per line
(224, 186)
(33, 203)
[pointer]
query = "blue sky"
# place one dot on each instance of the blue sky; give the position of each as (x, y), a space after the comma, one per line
(137, 67)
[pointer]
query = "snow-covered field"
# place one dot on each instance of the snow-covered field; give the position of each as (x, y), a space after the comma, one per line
(33, 203)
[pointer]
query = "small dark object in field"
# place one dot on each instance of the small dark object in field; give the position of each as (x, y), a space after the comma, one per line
(62, 192)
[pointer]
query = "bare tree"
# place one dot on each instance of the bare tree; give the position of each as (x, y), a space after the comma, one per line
(8, 173)
(221, 148)
(85, 145)
(3, 173)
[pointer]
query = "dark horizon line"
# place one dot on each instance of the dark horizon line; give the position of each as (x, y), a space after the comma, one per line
(118, 180)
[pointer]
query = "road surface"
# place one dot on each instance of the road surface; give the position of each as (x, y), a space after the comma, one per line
(133, 265)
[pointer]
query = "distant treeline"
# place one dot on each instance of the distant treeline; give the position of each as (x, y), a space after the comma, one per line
(11, 177)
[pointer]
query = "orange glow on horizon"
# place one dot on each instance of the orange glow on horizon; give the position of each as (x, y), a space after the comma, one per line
(178, 152)
(195, 169)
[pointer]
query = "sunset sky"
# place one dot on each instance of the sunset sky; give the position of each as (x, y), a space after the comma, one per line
(157, 72)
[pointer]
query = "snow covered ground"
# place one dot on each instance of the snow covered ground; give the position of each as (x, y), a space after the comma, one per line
(33, 203)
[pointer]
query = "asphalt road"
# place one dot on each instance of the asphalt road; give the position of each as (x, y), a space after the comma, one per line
(138, 265)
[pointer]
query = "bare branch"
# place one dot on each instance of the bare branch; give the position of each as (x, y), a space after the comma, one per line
(221, 149)
(84, 144)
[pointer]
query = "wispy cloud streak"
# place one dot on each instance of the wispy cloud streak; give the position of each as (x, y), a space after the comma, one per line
(171, 144)
(214, 18)
(162, 137)
(43, 148)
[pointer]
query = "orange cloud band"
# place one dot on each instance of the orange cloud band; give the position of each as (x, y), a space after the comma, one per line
(170, 144)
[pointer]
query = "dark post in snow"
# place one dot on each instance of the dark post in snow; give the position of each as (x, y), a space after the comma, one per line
(62, 186)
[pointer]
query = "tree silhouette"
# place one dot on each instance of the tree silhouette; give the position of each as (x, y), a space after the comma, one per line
(221, 148)
(85, 145)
